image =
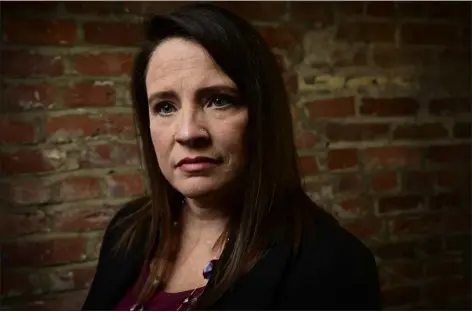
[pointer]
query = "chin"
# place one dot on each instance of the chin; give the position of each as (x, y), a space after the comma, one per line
(198, 187)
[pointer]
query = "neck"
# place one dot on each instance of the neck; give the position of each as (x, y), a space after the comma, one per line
(204, 216)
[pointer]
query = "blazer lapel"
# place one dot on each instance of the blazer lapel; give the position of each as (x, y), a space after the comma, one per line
(257, 290)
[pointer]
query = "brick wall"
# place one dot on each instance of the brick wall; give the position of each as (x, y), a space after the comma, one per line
(381, 103)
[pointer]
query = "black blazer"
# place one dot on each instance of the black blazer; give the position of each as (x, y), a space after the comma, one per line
(332, 271)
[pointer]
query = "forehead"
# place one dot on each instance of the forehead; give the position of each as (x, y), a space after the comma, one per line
(177, 63)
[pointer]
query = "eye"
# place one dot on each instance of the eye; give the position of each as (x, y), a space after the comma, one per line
(164, 108)
(221, 100)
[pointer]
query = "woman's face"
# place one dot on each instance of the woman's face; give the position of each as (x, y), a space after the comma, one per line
(196, 121)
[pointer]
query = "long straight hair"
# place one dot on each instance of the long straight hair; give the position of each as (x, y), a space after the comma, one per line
(272, 198)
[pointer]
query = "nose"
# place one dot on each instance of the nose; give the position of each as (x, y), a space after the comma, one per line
(191, 128)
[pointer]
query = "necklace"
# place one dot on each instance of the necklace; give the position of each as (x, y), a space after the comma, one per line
(190, 300)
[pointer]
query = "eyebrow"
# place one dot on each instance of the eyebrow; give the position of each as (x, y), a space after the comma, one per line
(202, 92)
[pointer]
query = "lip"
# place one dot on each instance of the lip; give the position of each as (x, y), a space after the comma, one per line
(196, 164)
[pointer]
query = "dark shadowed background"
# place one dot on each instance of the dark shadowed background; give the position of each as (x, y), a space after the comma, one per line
(380, 97)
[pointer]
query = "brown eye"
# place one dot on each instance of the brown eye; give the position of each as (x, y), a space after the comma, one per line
(164, 108)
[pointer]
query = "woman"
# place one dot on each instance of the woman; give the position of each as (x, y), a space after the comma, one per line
(227, 225)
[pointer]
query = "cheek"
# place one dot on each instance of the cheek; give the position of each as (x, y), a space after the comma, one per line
(231, 137)
(160, 140)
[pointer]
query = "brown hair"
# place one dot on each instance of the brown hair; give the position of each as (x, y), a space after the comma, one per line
(272, 198)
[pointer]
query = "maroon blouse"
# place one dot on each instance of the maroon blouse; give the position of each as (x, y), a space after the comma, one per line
(161, 301)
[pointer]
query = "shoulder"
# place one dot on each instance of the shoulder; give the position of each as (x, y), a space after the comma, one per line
(335, 265)
(328, 239)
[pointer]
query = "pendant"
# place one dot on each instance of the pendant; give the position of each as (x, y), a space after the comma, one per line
(208, 269)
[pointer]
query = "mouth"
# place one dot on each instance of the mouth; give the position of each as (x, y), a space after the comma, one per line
(196, 164)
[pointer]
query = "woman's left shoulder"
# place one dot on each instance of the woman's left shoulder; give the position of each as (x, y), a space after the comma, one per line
(333, 266)
(334, 248)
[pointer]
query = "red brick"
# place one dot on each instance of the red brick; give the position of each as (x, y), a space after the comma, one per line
(22, 7)
(17, 224)
(119, 34)
(429, 34)
(386, 157)
(28, 64)
(89, 95)
(44, 252)
(93, 7)
(281, 62)
(438, 290)
(23, 161)
(255, 11)
(452, 179)
(384, 181)
(83, 277)
(341, 107)
(125, 185)
(396, 250)
(39, 32)
(291, 84)
(445, 266)
(29, 192)
(340, 57)
(305, 139)
(350, 183)
(432, 130)
(400, 296)
(321, 13)
(351, 7)
(342, 159)
(389, 107)
(400, 203)
(106, 155)
(413, 8)
(20, 283)
(336, 132)
(364, 228)
(389, 57)
(366, 31)
(154, 7)
(454, 55)
(462, 130)
(416, 225)
(458, 153)
(82, 217)
(294, 113)
(445, 202)
(421, 181)
(351, 208)
(308, 165)
(78, 188)
(65, 301)
(457, 223)
(26, 97)
(380, 8)
(458, 243)
(69, 127)
(280, 37)
(103, 64)
(17, 131)
(449, 106)
(402, 272)
(460, 10)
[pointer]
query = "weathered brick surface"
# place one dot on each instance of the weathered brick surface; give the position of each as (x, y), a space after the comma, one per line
(381, 103)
